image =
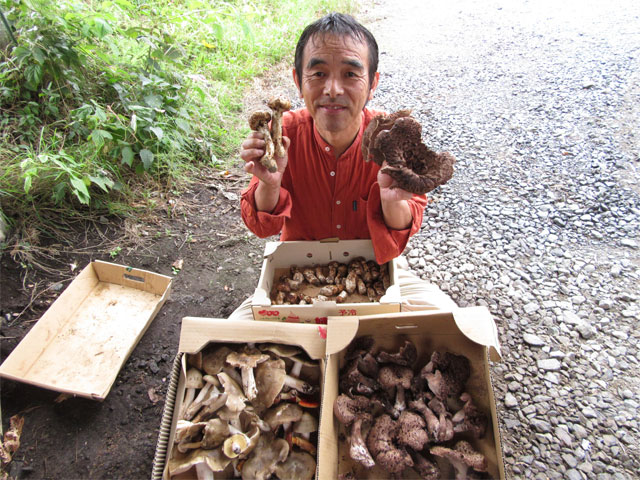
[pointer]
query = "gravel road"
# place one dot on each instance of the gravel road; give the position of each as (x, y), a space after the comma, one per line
(540, 103)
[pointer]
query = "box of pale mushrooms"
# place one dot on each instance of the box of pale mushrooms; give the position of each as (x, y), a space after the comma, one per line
(243, 401)
(308, 281)
(409, 395)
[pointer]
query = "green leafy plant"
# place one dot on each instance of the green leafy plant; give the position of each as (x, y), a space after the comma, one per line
(99, 99)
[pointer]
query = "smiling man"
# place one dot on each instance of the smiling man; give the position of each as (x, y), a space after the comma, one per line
(323, 187)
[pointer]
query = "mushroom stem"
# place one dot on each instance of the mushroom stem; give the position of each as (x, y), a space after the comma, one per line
(298, 384)
(358, 449)
(249, 383)
(204, 472)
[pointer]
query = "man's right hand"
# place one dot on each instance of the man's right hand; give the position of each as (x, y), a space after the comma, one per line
(268, 191)
(252, 150)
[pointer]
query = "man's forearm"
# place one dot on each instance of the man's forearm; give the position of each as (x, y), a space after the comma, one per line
(397, 215)
(266, 197)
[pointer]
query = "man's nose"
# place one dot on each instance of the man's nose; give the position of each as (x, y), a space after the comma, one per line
(333, 86)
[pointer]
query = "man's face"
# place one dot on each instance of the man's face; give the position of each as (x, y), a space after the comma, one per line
(335, 83)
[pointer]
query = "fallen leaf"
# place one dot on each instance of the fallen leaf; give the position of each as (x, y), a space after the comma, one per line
(153, 396)
(11, 441)
(178, 264)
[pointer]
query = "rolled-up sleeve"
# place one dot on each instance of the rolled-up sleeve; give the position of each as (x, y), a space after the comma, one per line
(264, 224)
(389, 243)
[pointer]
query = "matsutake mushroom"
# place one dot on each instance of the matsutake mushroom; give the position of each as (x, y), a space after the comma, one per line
(278, 105)
(259, 121)
(193, 382)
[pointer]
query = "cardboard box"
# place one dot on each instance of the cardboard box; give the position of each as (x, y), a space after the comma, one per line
(282, 255)
(468, 331)
(196, 333)
(80, 343)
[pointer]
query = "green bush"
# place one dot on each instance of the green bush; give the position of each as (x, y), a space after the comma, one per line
(98, 97)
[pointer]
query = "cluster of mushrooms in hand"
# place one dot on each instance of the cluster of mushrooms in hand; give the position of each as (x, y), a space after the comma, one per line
(249, 411)
(358, 281)
(259, 122)
(394, 141)
(400, 416)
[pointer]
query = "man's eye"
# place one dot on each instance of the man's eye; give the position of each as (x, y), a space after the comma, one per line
(318, 74)
(352, 74)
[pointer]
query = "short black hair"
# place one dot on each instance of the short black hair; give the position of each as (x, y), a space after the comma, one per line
(339, 24)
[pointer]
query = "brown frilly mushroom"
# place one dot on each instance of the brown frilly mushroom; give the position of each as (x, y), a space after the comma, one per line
(397, 141)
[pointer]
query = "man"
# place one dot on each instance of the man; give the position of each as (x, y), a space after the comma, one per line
(323, 188)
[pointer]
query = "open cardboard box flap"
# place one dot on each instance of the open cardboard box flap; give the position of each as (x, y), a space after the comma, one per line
(475, 323)
(80, 343)
(468, 331)
(197, 332)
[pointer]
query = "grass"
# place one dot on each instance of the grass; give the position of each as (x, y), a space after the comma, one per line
(104, 101)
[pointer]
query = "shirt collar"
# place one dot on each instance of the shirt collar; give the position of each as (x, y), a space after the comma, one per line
(327, 148)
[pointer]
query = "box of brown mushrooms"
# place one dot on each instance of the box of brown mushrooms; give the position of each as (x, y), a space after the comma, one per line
(306, 282)
(243, 401)
(409, 395)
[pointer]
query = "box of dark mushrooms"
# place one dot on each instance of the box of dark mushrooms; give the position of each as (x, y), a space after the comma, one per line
(308, 281)
(409, 395)
(243, 401)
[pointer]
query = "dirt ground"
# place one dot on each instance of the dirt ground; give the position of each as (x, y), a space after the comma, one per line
(76, 438)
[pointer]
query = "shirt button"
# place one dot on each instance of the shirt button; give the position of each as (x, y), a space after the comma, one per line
(338, 227)
(328, 149)
(337, 202)
(333, 174)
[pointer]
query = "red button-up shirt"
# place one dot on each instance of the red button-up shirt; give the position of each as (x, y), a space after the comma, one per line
(324, 197)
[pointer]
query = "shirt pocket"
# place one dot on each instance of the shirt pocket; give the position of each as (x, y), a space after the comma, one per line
(356, 221)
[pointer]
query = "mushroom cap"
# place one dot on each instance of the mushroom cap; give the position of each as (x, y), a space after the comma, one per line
(446, 373)
(214, 459)
(186, 430)
(461, 455)
(394, 460)
(215, 432)
(259, 118)
(247, 359)
(346, 408)
(280, 349)
(279, 103)
(393, 375)
(381, 435)
(235, 445)
(377, 124)
(299, 465)
(415, 167)
(406, 355)
(262, 462)
(235, 397)
(411, 430)
(213, 359)
(283, 413)
(270, 377)
(307, 424)
(194, 378)
(469, 418)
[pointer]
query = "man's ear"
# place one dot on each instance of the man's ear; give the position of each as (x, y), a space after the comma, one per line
(296, 80)
(374, 85)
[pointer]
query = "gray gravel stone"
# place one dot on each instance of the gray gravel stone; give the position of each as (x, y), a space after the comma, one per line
(538, 102)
